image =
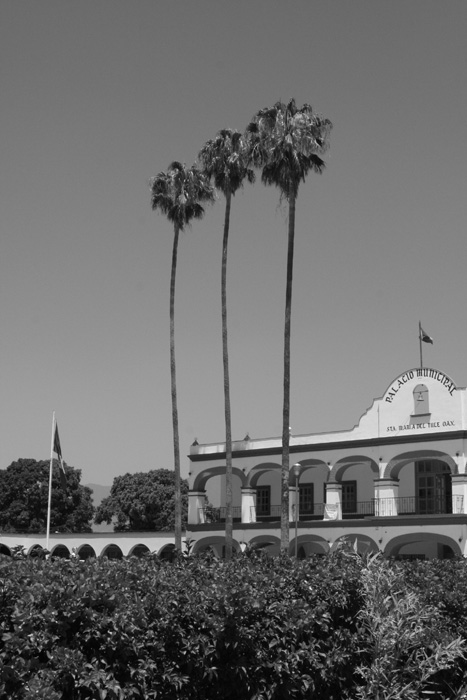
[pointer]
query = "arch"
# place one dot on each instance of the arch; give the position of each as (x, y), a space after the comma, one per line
(216, 543)
(167, 552)
(269, 543)
(352, 460)
(258, 470)
(139, 550)
(316, 466)
(364, 543)
(395, 465)
(5, 550)
(393, 547)
(112, 551)
(86, 552)
(36, 551)
(60, 551)
(203, 477)
(309, 544)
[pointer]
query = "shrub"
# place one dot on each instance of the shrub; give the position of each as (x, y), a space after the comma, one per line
(201, 628)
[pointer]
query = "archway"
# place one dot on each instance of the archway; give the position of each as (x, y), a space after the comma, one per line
(139, 550)
(167, 552)
(112, 551)
(362, 543)
(86, 552)
(36, 552)
(425, 480)
(60, 551)
(265, 478)
(309, 545)
(215, 543)
(212, 482)
(270, 544)
(422, 545)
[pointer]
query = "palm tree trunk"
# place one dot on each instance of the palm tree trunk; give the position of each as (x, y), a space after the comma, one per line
(173, 381)
(286, 403)
(225, 358)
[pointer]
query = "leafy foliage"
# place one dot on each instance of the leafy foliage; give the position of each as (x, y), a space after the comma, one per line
(24, 494)
(200, 629)
(143, 502)
(407, 646)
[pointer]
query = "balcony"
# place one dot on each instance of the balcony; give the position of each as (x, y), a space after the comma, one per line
(209, 514)
(354, 510)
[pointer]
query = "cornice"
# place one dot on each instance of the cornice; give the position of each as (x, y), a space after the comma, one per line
(341, 445)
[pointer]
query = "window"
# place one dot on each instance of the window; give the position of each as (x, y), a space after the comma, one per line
(349, 496)
(306, 499)
(434, 492)
(263, 500)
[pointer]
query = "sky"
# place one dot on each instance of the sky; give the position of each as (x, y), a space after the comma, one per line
(99, 96)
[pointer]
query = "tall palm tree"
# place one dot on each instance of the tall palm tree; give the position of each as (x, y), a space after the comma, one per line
(225, 161)
(286, 143)
(178, 194)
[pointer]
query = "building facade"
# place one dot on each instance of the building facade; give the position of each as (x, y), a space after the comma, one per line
(394, 483)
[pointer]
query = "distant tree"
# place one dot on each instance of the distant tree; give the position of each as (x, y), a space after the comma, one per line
(144, 501)
(179, 194)
(225, 160)
(24, 487)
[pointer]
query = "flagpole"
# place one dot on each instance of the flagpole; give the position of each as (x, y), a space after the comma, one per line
(49, 503)
(420, 343)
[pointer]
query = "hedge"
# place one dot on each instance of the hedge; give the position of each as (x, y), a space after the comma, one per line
(253, 628)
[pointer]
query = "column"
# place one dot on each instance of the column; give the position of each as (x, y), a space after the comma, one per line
(459, 493)
(386, 497)
(333, 506)
(248, 505)
(196, 503)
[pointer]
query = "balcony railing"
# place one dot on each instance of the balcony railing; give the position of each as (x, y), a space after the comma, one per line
(217, 515)
(376, 507)
(410, 505)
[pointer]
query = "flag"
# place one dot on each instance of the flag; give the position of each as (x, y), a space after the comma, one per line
(425, 337)
(58, 452)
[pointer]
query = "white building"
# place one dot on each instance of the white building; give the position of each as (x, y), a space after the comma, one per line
(396, 482)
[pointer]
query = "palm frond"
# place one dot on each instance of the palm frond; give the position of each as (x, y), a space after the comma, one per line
(178, 192)
(225, 160)
(286, 142)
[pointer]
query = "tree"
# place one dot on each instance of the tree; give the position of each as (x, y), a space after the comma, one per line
(144, 501)
(286, 143)
(178, 194)
(225, 161)
(24, 494)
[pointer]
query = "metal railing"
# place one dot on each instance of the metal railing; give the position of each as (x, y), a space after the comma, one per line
(376, 507)
(217, 515)
(410, 505)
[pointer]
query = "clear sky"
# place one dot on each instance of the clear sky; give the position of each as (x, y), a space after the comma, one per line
(98, 96)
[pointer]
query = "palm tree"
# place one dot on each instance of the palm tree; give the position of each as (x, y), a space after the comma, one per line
(225, 161)
(178, 194)
(286, 143)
